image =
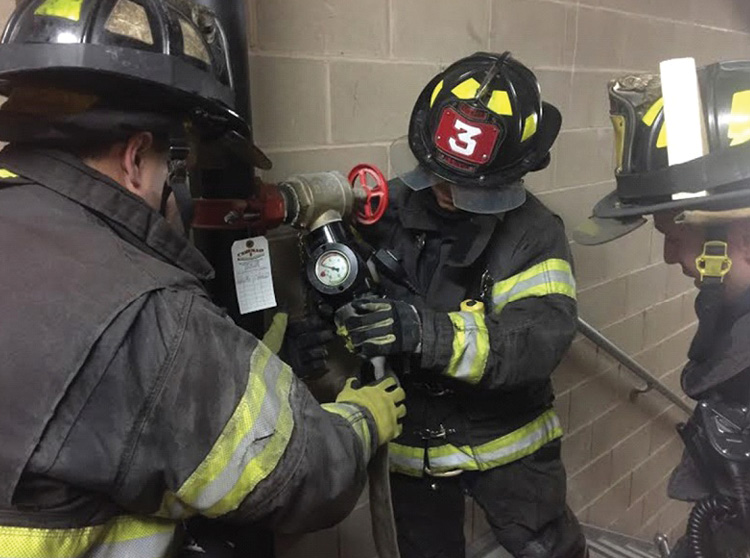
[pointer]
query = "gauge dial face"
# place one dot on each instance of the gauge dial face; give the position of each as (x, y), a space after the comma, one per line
(332, 268)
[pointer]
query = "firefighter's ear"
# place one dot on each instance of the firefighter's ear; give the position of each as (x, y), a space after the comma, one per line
(131, 161)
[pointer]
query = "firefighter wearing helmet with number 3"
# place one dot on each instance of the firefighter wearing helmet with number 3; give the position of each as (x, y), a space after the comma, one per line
(480, 308)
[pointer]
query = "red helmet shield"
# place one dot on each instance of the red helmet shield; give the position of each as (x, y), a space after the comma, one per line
(466, 139)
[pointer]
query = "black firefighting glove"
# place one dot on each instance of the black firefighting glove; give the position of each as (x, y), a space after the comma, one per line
(379, 327)
(305, 347)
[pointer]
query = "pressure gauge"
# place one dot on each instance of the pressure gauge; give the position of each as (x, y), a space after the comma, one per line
(333, 268)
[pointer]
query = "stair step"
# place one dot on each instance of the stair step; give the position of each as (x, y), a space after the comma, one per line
(642, 552)
(625, 550)
(606, 550)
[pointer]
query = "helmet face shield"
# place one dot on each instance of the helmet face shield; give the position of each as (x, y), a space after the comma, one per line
(406, 167)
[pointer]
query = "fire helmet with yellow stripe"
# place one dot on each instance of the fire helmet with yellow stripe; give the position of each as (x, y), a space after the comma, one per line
(710, 188)
(481, 126)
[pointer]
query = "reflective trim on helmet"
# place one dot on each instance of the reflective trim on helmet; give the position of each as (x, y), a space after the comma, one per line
(466, 89)
(436, 92)
(122, 537)
(653, 112)
(500, 103)
(130, 20)
(553, 276)
(661, 141)
(529, 127)
(67, 9)
(193, 44)
(739, 119)
(506, 449)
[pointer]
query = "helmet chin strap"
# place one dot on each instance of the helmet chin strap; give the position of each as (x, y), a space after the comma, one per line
(713, 265)
(178, 181)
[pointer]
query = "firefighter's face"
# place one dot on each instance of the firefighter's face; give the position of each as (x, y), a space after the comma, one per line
(444, 196)
(684, 243)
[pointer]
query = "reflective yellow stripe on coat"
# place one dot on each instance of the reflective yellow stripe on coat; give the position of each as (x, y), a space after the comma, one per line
(124, 537)
(471, 338)
(471, 347)
(249, 448)
(506, 449)
(552, 276)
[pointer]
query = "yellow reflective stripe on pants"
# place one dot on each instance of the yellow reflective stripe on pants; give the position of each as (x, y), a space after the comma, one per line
(552, 276)
(506, 449)
(124, 537)
(5, 173)
(356, 417)
(248, 449)
(471, 347)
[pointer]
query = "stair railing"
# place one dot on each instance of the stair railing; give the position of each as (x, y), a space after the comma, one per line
(651, 381)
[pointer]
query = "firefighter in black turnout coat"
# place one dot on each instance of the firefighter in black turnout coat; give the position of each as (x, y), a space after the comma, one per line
(477, 316)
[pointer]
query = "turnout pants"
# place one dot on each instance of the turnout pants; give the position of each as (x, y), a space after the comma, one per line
(524, 503)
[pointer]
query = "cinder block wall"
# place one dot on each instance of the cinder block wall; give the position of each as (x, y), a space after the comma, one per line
(333, 82)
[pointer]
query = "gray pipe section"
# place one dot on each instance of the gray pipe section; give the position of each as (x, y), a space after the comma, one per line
(628, 362)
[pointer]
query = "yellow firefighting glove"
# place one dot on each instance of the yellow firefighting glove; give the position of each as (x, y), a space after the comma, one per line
(385, 401)
(274, 336)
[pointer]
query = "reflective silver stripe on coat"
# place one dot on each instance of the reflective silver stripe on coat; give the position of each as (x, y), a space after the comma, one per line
(252, 444)
(154, 546)
(544, 278)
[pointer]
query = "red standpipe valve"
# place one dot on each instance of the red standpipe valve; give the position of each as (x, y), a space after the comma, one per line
(267, 209)
(370, 193)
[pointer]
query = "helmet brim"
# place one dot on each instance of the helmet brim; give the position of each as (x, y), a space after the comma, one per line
(489, 201)
(474, 199)
(595, 231)
(613, 219)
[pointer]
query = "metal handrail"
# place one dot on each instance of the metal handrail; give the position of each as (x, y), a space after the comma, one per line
(652, 382)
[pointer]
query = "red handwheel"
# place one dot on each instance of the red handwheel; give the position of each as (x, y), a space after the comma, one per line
(375, 200)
